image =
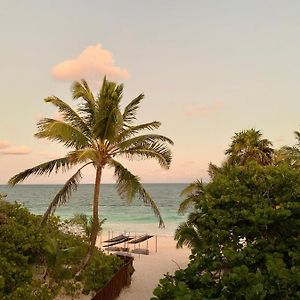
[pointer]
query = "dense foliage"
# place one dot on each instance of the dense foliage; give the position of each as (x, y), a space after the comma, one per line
(40, 262)
(244, 235)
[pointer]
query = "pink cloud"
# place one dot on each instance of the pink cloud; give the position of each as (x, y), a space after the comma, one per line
(20, 150)
(204, 110)
(91, 64)
(4, 144)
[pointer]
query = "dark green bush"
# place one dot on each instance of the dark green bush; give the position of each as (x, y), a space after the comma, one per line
(98, 271)
(244, 233)
(40, 262)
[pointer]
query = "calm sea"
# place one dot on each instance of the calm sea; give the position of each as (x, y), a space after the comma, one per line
(121, 216)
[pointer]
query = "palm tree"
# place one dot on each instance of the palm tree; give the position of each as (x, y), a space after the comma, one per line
(98, 132)
(249, 146)
(86, 223)
(288, 154)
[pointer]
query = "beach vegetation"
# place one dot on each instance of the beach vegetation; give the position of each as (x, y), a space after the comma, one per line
(41, 262)
(243, 232)
(85, 222)
(97, 132)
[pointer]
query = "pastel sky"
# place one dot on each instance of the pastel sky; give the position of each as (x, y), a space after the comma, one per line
(208, 69)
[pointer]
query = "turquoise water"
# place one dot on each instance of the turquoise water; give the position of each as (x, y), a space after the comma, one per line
(121, 216)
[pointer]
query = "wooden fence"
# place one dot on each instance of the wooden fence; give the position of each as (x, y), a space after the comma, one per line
(121, 279)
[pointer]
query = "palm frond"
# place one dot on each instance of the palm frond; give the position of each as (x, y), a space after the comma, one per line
(64, 193)
(188, 235)
(129, 114)
(186, 203)
(142, 139)
(290, 155)
(82, 90)
(86, 222)
(193, 217)
(80, 219)
(128, 185)
(212, 170)
(147, 199)
(193, 192)
(297, 136)
(158, 151)
(46, 168)
(84, 155)
(130, 131)
(110, 93)
(88, 108)
(108, 118)
(113, 124)
(62, 132)
(69, 114)
(192, 188)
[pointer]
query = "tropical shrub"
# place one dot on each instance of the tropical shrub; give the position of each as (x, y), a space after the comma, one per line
(244, 236)
(41, 262)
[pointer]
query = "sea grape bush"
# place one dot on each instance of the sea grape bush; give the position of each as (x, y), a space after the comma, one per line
(40, 262)
(244, 233)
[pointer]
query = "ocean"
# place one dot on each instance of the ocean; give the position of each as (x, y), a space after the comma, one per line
(121, 216)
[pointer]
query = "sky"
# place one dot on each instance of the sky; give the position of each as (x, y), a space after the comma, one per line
(208, 69)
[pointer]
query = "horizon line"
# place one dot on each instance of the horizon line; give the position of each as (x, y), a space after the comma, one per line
(93, 183)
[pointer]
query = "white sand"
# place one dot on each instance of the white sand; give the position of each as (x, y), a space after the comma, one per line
(149, 269)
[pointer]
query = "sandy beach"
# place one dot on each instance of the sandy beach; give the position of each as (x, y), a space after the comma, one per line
(150, 268)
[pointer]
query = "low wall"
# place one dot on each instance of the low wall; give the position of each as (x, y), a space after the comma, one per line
(121, 279)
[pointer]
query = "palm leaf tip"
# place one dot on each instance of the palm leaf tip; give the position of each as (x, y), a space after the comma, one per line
(14, 180)
(129, 186)
(129, 114)
(43, 169)
(147, 199)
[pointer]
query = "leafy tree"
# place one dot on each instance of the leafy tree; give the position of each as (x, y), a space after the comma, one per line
(244, 236)
(249, 146)
(96, 133)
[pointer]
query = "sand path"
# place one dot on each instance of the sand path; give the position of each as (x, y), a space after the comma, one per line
(150, 268)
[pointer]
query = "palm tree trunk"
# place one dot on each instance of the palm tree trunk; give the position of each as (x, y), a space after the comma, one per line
(95, 224)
